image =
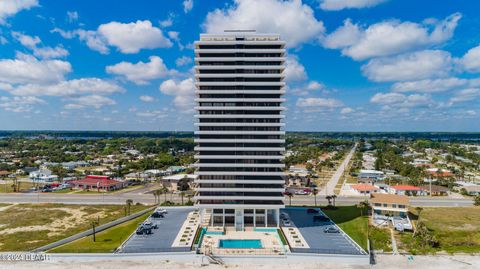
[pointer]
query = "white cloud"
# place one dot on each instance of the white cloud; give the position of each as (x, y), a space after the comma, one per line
(19, 104)
(389, 37)
(315, 85)
(411, 66)
(398, 100)
(167, 22)
(31, 42)
(346, 110)
(94, 40)
(69, 88)
(294, 70)
(28, 69)
(152, 114)
(134, 36)
(72, 16)
(471, 60)
(183, 92)
(343, 4)
(294, 21)
(126, 37)
(187, 5)
(146, 98)
(319, 102)
(95, 101)
(141, 73)
(466, 95)
(432, 85)
(347, 35)
(184, 60)
(9, 8)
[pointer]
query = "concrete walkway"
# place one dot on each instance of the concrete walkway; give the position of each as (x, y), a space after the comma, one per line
(394, 243)
(338, 174)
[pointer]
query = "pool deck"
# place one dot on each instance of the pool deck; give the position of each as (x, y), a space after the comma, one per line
(271, 243)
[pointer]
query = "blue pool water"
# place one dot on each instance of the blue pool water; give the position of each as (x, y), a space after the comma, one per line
(238, 243)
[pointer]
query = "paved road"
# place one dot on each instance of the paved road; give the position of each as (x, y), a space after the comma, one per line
(338, 174)
(149, 199)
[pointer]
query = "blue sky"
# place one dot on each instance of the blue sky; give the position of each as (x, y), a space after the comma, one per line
(357, 65)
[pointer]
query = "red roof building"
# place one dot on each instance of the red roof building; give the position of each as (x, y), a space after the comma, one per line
(98, 183)
(365, 188)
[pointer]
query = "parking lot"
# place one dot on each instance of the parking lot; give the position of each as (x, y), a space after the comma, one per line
(161, 239)
(317, 239)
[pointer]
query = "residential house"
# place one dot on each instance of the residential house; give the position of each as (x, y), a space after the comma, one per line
(407, 190)
(391, 208)
(42, 175)
(435, 190)
(364, 189)
(371, 174)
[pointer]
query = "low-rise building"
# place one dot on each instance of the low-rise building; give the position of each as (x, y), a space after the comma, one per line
(371, 174)
(435, 190)
(171, 182)
(473, 190)
(98, 183)
(391, 208)
(42, 175)
(365, 189)
(407, 190)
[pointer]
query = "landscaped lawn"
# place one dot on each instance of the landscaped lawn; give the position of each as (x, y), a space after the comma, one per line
(350, 220)
(28, 226)
(106, 241)
(457, 229)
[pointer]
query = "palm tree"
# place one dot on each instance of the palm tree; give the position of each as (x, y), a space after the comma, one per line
(329, 199)
(290, 195)
(157, 193)
(165, 191)
(419, 210)
(362, 205)
(334, 197)
(315, 192)
(128, 203)
(182, 194)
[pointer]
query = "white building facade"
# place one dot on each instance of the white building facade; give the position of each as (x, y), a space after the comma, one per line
(239, 134)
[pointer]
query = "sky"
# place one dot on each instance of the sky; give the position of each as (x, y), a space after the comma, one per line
(352, 65)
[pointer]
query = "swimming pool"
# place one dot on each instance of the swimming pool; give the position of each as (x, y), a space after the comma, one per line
(240, 243)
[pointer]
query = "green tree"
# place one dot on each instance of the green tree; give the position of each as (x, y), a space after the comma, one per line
(128, 203)
(477, 200)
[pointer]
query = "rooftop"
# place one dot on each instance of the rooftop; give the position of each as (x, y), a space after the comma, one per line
(364, 187)
(406, 188)
(390, 199)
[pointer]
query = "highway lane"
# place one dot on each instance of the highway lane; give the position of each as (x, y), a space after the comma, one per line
(149, 199)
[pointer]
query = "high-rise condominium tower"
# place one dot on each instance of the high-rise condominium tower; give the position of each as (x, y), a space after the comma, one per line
(239, 131)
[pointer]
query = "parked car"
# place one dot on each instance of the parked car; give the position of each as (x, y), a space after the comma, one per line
(287, 223)
(331, 229)
(157, 215)
(161, 211)
(150, 225)
(142, 229)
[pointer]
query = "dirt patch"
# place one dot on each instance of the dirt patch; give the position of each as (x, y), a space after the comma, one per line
(73, 218)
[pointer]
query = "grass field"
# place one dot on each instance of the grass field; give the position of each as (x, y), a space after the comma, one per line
(23, 186)
(380, 239)
(106, 241)
(28, 226)
(457, 230)
(350, 220)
